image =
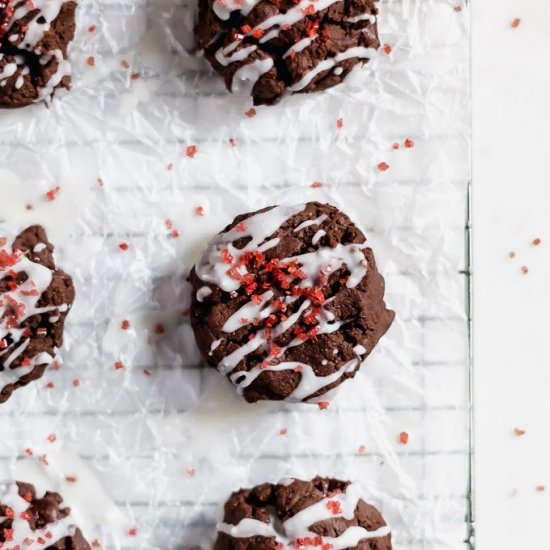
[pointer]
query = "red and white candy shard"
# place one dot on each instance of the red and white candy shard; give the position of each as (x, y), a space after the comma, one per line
(225, 266)
(17, 304)
(20, 534)
(296, 530)
(29, 39)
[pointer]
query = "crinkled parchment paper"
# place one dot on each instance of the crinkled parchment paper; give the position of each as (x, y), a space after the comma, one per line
(159, 443)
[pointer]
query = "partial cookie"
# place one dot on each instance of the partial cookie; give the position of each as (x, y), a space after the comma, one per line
(266, 48)
(34, 37)
(323, 513)
(27, 521)
(287, 302)
(35, 298)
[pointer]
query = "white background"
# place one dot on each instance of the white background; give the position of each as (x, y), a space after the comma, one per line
(511, 113)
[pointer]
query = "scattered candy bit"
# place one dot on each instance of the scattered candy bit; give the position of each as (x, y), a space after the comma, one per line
(383, 166)
(334, 507)
(516, 23)
(536, 242)
(147, 372)
(191, 151)
(395, 146)
(96, 544)
(323, 405)
(519, 432)
(135, 76)
(118, 365)
(52, 438)
(540, 488)
(387, 49)
(70, 479)
(339, 123)
(458, 9)
(240, 227)
(91, 61)
(49, 385)
(124, 246)
(511, 254)
(76, 382)
(159, 328)
(361, 449)
(283, 431)
(316, 185)
(92, 28)
(232, 142)
(408, 143)
(132, 532)
(174, 234)
(44, 460)
(125, 325)
(190, 471)
(28, 452)
(199, 211)
(125, 64)
(100, 182)
(403, 438)
(170, 167)
(524, 269)
(251, 112)
(28, 206)
(52, 193)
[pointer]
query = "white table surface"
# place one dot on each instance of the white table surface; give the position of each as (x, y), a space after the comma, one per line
(511, 175)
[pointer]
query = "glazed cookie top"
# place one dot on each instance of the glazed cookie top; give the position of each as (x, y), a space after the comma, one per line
(287, 302)
(323, 513)
(35, 298)
(266, 48)
(34, 36)
(28, 521)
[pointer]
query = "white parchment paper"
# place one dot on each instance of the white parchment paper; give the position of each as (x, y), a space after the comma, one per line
(159, 444)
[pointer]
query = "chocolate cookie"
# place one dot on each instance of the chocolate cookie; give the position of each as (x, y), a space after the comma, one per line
(35, 298)
(265, 48)
(36, 523)
(287, 302)
(34, 36)
(323, 513)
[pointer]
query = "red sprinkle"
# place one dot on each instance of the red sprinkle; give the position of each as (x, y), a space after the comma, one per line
(323, 405)
(246, 29)
(125, 325)
(536, 242)
(316, 185)
(95, 543)
(119, 365)
(52, 193)
(190, 471)
(28, 452)
(382, 166)
(458, 9)
(232, 142)
(135, 76)
(511, 254)
(191, 151)
(524, 269)
(49, 385)
(395, 146)
(44, 460)
(387, 49)
(92, 28)
(170, 167)
(251, 112)
(147, 372)
(91, 61)
(334, 507)
(125, 64)
(409, 143)
(540, 488)
(339, 123)
(124, 246)
(516, 23)
(132, 532)
(70, 479)
(76, 382)
(283, 431)
(361, 449)
(52, 438)
(240, 227)
(403, 438)
(159, 328)
(199, 211)
(258, 33)
(519, 432)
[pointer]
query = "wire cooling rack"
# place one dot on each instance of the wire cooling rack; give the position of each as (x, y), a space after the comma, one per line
(158, 444)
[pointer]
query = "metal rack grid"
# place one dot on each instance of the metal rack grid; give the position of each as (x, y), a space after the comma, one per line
(161, 452)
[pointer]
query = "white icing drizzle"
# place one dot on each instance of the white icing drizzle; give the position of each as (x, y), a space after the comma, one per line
(363, 17)
(63, 69)
(299, 46)
(18, 304)
(318, 236)
(221, 257)
(338, 71)
(223, 8)
(308, 223)
(358, 51)
(22, 533)
(246, 76)
(359, 349)
(39, 247)
(203, 292)
(223, 57)
(298, 527)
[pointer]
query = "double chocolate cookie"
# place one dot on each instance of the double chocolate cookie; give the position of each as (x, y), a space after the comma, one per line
(265, 48)
(34, 36)
(27, 521)
(287, 302)
(323, 513)
(35, 298)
